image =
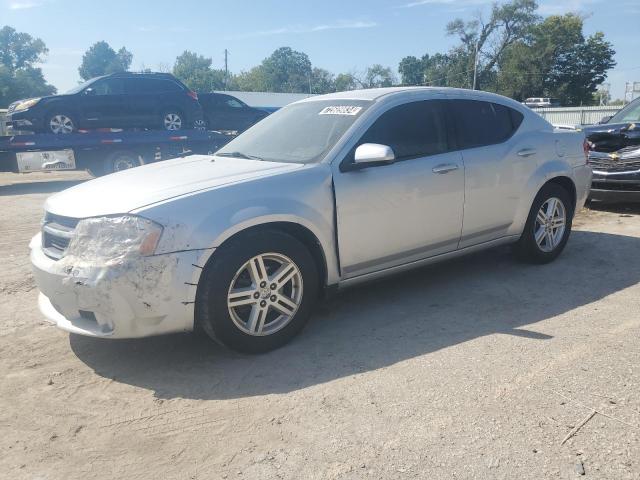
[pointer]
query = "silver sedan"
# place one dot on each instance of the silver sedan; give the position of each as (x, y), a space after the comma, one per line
(328, 192)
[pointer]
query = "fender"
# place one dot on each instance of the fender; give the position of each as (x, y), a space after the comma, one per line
(546, 171)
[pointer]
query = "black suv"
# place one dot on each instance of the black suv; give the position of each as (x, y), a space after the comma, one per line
(615, 155)
(224, 112)
(118, 100)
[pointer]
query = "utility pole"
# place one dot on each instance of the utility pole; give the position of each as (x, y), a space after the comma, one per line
(226, 69)
(475, 66)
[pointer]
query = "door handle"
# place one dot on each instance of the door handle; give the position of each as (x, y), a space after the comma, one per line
(527, 152)
(444, 168)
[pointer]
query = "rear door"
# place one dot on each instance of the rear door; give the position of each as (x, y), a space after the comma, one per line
(143, 101)
(389, 215)
(104, 104)
(497, 167)
(229, 113)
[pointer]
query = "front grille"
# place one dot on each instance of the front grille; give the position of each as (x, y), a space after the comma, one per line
(625, 160)
(57, 232)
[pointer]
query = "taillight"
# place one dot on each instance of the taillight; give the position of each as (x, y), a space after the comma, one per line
(586, 147)
(193, 95)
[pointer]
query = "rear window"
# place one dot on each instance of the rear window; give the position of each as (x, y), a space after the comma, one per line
(481, 123)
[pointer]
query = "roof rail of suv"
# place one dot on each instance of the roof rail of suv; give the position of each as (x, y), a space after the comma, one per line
(157, 74)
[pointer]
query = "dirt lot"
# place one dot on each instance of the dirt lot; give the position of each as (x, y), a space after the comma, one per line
(476, 368)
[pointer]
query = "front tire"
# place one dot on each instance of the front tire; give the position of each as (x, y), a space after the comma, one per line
(548, 226)
(60, 123)
(257, 292)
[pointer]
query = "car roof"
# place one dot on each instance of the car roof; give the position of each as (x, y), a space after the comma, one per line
(376, 94)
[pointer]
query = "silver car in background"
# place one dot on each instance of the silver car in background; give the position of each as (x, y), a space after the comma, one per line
(328, 192)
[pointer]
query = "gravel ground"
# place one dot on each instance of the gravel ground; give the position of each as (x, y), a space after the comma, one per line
(475, 368)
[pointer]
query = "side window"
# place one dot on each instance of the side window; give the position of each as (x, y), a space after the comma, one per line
(481, 123)
(412, 130)
(168, 86)
(233, 103)
(108, 86)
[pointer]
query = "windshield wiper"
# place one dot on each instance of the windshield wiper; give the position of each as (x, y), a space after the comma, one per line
(239, 155)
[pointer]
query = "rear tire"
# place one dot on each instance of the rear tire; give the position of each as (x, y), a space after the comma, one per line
(257, 292)
(172, 120)
(548, 226)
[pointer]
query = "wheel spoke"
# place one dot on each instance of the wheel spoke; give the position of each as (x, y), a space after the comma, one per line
(540, 235)
(241, 296)
(284, 274)
(285, 305)
(257, 270)
(551, 208)
(542, 217)
(256, 319)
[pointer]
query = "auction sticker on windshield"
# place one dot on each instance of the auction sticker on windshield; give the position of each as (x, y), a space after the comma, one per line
(340, 110)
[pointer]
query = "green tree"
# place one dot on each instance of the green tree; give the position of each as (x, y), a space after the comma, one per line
(508, 23)
(19, 78)
(344, 82)
(556, 61)
(412, 70)
(322, 81)
(196, 72)
(377, 76)
(101, 59)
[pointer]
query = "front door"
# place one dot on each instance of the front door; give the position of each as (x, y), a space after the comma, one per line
(103, 104)
(388, 215)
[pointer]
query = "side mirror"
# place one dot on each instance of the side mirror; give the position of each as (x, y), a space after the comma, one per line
(370, 153)
(605, 119)
(89, 91)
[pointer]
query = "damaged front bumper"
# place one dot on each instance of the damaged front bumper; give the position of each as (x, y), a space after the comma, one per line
(149, 296)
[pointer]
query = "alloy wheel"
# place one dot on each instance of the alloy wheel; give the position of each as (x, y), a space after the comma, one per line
(265, 294)
(123, 163)
(200, 125)
(172, 121)
(61, 124)
(550, 224)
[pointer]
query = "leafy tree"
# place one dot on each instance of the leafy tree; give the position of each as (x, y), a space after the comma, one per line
(322, 81)
(101, 59)
(344, 82)
(508, 23)
(412, 70)
(556, 61)
(196, 72)
(19, 78)
(377, 76)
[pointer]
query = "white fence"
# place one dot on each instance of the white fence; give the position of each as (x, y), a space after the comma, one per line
(575, 115)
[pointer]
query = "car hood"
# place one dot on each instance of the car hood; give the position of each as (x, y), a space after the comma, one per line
(609, 137)
(133, 189)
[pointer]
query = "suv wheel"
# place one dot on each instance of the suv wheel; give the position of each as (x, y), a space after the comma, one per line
(60, 123)
(548, 226)
(257, 292)
(200, 125)
(172, 120)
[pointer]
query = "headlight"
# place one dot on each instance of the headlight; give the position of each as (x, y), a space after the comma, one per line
(23, 105)
(112, 240)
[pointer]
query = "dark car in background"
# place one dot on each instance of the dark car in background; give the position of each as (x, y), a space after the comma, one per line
(615, 155)
(225, 112)
(118, 100)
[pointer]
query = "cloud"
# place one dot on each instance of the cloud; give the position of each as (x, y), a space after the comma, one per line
(297, 29)
(24, 4)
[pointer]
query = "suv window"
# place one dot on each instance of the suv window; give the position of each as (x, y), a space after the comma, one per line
(481, 123)
(108, 86)
(412, 130)
(151, 85)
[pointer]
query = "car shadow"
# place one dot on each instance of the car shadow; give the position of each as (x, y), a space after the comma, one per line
(27, 188)
(621, 208)
(382, 323)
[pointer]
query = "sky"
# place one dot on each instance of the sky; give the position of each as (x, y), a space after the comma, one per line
(338, 35)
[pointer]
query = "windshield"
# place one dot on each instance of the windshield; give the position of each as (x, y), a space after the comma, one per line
(300, 133)
(630, 113)
(80, 87)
